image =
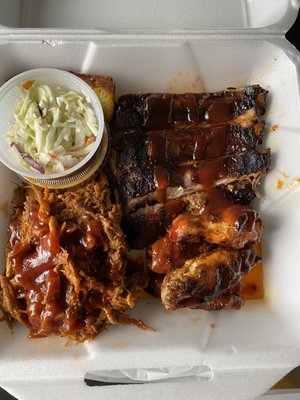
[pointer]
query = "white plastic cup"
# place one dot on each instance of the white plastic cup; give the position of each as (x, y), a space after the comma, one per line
(9, 97)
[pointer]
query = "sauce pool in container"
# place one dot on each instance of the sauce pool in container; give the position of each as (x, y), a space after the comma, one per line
(251, 285)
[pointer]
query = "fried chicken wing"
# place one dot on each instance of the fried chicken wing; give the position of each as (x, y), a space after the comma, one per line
(227, 229)
(203, 282)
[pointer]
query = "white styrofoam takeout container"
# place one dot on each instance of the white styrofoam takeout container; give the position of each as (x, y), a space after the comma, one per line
(172, 46)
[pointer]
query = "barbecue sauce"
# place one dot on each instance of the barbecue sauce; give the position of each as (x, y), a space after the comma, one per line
(163, 110)
(36, 268)
(251, 285)
(167, 147)
(153, 224)
(168, 255)
(186, 232)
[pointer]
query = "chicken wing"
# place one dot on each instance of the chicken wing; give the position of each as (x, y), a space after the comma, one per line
(203, 282)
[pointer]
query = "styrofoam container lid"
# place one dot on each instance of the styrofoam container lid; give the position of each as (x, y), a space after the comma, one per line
(152, 16)
(9, 97)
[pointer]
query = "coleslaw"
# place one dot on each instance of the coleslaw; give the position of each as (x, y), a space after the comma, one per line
(54, 129)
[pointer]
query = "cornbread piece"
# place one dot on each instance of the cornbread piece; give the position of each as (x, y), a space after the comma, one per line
(104, 87)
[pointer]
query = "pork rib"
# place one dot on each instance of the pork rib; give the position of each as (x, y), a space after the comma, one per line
(140, 178)
(160, 110)
(185, 144)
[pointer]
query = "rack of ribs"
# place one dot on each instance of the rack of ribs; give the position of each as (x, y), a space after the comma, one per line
(185, 168)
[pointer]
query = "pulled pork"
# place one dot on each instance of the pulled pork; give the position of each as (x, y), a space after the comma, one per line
(66, 262)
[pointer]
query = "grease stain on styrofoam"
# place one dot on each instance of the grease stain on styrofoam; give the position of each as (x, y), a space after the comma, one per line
(286, 180)
(182, 311)
(274, 128)
(284, 174)
(47, 347)
(116, 344)
(264, 74)
(185, 80)
(4, 208)
(280, 183)
(195, 320)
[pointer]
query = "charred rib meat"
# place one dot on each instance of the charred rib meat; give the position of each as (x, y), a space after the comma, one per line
(136, 175)
(160, 110)
(186, 169)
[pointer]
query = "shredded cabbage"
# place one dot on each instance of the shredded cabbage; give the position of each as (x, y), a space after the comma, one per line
(54, 129)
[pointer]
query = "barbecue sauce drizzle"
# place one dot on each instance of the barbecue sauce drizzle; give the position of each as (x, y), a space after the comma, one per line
(176, 144)
(41, 293)
(167, 110)
(170, 147)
